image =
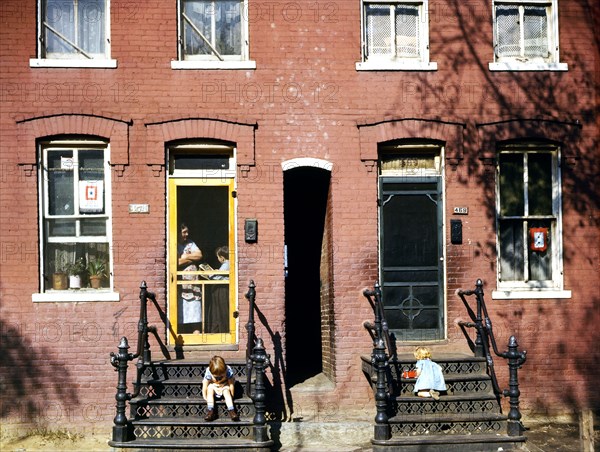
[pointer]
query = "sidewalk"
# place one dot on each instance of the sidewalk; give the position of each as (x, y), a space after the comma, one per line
(543, 435)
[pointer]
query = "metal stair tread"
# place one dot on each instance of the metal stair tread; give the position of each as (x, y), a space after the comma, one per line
(453, 376)
(409, 358)
(183, 401)
(193, 443)
(189, 420)
(464, 397)
(185, 380)
(177, 380)
(449, 439)
(439, 418)
(440, 357)
(196, 362)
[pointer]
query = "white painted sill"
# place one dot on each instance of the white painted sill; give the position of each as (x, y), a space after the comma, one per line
(530, 294)
(197, 64)
(519, 66)
(69, 296)
(72, 63)
(396, 66)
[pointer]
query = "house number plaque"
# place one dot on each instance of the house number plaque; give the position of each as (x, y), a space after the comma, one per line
(139, 208)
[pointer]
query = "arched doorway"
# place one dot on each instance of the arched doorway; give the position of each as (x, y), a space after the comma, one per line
(306, 191)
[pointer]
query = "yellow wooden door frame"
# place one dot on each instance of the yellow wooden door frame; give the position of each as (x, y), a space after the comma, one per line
(174, 336)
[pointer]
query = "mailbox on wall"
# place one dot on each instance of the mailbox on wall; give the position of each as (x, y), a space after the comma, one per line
(251, 230)
(456, 232)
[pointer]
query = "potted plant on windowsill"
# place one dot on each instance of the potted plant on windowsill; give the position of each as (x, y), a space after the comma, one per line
(97, 272)
(59, 278)
(75, 270)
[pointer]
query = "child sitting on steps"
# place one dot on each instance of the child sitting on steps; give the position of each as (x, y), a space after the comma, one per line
(218, 383)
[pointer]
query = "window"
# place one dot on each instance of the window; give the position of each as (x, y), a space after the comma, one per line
(212, 34)
(529, 220)
(73, 33)
(526, 35)
(75, 220)
(395, 36)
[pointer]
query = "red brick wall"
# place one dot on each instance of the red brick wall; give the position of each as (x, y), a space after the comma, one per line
(305, 99)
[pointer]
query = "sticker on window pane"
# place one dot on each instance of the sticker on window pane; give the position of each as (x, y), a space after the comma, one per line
(91, 196)
(539, 239)
(66, 163)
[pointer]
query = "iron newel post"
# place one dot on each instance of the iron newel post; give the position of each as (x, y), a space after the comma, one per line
(260, 359)
(379, 359)
(515, 361)
(251, 297)
(146, 356)
(479, 319)
(119, 362)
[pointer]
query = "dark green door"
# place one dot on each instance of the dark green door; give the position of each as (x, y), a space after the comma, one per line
(411, 257)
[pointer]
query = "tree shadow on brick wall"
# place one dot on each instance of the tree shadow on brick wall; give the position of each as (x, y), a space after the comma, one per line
(25, 373)
(566, 100)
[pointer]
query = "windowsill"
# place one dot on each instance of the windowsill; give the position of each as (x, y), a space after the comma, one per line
(58, 296)
(396, 66)
(509, 294)
(200, 64)
(73, 63)
(529, 66)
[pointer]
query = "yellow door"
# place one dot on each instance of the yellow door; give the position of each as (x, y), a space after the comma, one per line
(202, 282)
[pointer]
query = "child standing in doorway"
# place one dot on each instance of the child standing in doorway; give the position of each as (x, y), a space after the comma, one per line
(218, 383)
(430, 379)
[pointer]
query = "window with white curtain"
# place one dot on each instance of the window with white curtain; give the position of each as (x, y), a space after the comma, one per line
(395, 35)
(212, 32)
(526, 35)
(73, 33)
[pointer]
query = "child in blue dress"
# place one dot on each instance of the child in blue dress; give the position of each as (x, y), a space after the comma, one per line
(430, 379)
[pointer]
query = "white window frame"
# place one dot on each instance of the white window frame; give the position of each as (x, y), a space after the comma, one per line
(391, 61)
(214, 61)
(552, 63)
(78, 58)
(47, 294)
(534, 289)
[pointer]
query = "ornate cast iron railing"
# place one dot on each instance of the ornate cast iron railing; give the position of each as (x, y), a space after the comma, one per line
(257, 359)
(379, 330)
(482, 324)
(122, 429)
(382, 339)
(251, 297)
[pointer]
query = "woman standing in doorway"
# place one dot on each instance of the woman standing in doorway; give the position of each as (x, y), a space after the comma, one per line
(190, 295)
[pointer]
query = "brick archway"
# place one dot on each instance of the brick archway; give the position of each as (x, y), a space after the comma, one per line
(115, 130)
(451, 133)
(242, 134)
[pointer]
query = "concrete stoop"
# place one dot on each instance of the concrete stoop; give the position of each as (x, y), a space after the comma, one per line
(319, 436)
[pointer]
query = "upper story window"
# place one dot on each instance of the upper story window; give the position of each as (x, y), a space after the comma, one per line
(526, 35)
(75, 222)
(395, 36)
(529, 223)
(212, 34)
(73, 33)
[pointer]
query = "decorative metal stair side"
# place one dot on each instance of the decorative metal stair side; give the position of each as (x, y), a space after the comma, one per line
(169, 411)
(166, 409)
(467, 417)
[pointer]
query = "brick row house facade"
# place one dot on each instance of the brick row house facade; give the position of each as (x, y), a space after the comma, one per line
(327, 145)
